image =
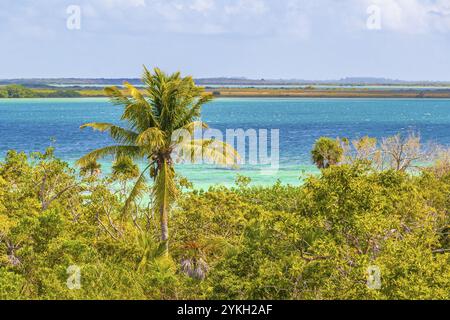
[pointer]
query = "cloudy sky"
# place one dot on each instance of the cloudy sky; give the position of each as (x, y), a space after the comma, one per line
(303, 39)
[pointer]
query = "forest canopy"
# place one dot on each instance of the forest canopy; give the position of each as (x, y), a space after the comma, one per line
(314, 241)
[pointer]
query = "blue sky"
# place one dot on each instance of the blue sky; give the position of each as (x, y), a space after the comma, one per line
(303, 39)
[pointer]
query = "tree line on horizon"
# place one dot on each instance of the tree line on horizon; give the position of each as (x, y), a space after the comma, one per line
(20, 91)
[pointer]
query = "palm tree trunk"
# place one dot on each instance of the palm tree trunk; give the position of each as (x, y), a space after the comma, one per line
(164, 228)
(164, 185)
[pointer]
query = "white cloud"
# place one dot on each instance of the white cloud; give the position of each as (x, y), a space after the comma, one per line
(298, 19)
(124, 3)
(247, 7)
(202, 5)
(288, 19)
(295, 21)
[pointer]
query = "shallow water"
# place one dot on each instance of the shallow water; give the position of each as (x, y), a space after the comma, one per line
(30, 125)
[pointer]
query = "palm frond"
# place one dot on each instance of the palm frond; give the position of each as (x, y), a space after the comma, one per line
(137, 191)
(191, 126)
(187, 132)
(210, 150)
(138, 115)
(116, 151)
(221, 153)
(143, 103)
(116, 97)
(152, 138)
(121, 135)
(192, 113)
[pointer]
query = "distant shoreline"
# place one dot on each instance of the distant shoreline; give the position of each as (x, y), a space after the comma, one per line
(339, 93)
(19, 91)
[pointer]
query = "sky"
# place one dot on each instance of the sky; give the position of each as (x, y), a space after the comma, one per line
(270, 39)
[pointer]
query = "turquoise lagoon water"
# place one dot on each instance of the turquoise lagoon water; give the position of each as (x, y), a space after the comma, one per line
(30, 125)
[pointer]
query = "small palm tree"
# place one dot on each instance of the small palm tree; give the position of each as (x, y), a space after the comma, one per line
(327, 152)
(171, 104)
(124, 170)
(91, 168)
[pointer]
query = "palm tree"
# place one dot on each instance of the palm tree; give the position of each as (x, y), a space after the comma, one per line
(91, 168)
(327, 152)
(124, 170)
(170, 105)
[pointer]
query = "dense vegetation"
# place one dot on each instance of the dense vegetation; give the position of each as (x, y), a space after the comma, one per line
(19, 91)
(314, 241)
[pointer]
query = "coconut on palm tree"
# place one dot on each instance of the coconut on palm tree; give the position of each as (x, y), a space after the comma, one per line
(157, 121)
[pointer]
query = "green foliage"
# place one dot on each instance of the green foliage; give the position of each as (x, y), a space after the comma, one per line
(327, 152)
(242, 181)
(91, 168)
(125, 169)
(17, 91)
(20, 91)
(61, 94)
(315, 241)
(340, 224)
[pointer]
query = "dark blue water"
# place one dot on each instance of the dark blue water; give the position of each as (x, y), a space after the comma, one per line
(30, 125)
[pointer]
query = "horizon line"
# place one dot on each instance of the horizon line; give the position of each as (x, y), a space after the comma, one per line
(353, 80)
